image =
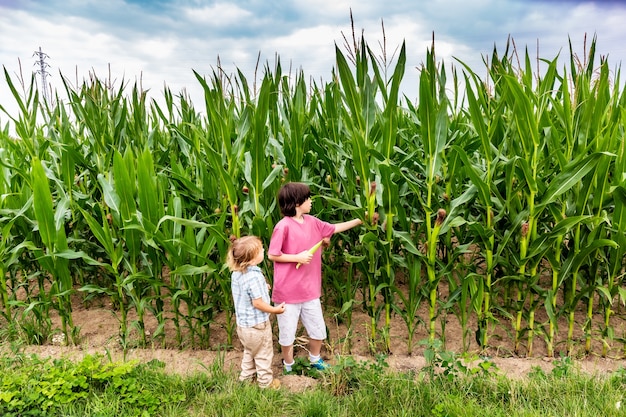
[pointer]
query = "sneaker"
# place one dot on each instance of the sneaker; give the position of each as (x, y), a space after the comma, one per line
(287, 368)
(320, 365)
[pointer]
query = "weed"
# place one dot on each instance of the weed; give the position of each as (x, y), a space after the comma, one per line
(302, 366)
(446, 364)
(348, 375)
(562, 367)
(43, 386)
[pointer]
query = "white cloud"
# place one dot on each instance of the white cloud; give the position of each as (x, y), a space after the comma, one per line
(218, 14)
(323, 8)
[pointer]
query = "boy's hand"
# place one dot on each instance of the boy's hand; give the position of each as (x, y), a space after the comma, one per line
(305, 257)
(375, 217)
(280, 309)
(326, 242)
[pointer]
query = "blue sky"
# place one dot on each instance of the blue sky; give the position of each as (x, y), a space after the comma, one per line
(160, 42)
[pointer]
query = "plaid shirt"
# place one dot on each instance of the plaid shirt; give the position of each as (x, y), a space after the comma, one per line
(246, 287)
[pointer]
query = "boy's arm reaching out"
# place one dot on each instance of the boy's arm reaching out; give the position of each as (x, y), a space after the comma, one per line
(342, 227)
(259, 304)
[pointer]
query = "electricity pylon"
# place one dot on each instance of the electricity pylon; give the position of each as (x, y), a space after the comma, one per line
(42, 70)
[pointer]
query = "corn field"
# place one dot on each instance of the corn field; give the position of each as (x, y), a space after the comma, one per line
(507, 190)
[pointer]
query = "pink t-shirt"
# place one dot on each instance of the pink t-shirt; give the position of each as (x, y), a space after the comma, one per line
(293, 285)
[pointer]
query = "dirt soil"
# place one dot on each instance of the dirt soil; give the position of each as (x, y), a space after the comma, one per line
(99, 329)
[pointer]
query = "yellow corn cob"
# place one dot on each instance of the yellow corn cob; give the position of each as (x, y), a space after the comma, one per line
(312, 251)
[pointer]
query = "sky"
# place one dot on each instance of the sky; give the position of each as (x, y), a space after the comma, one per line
(160, 43)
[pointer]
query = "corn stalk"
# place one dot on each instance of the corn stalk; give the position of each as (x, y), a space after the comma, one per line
(433, 121)
(359, 118)
(53, 256)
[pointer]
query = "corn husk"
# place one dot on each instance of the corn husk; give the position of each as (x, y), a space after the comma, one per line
(312, 251)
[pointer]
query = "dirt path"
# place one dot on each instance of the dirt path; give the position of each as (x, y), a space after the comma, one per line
(99, 328)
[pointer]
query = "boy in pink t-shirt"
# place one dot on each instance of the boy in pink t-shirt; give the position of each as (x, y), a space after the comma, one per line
(300, 288)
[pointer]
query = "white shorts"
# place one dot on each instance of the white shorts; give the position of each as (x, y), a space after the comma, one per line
(310, 312)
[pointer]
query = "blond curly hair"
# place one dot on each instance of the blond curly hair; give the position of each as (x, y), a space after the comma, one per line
(242, 252)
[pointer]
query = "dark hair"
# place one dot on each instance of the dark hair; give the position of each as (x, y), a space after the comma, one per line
(291, 195)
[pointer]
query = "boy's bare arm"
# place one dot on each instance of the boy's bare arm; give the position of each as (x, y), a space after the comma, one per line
(303, 257)
(342, 227)
(259, 304)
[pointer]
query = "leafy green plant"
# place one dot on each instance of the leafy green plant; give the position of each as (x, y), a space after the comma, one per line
(562, 367)
(348, 374)
(450, 365)
(302, 366)
(33, 386)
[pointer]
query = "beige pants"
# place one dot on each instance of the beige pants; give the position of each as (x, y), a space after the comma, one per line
(258, 353)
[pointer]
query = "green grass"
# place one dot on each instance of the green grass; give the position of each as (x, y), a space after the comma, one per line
(94, 387)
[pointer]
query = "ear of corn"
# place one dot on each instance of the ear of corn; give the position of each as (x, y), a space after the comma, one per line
(313, 249)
